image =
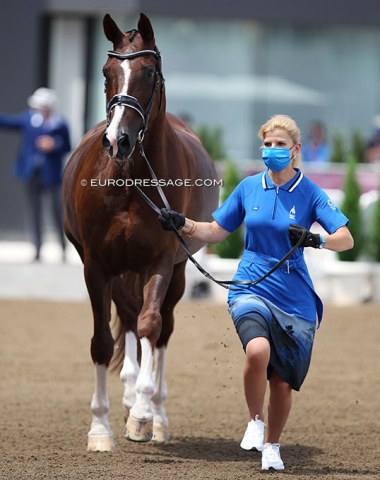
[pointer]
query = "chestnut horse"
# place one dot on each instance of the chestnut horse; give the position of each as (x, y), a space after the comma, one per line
(128, 258)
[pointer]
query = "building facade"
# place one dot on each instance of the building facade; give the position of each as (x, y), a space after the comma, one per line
(226, 64)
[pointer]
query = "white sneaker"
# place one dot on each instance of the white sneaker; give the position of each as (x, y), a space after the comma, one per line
(254, 435)
(271, 457)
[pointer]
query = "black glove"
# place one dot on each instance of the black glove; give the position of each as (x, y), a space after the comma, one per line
(171, 220)
(310, 239)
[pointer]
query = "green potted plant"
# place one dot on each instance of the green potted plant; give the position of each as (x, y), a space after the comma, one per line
(338, 154)
(349, 278)
(351, 208)
(374, 248)
(212, 140)
(358, 146)
(374, 236)
(233, 245)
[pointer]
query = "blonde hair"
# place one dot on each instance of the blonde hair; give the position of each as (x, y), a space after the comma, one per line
(284, 122)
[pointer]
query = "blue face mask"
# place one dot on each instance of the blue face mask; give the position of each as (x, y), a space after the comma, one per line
(276, 159)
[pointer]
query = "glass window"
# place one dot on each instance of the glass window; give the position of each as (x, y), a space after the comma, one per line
(237, 74)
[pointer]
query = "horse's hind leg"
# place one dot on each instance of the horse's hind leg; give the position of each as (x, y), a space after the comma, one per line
(175, 291)
(100, 436)
(126, 354)
(129, 373)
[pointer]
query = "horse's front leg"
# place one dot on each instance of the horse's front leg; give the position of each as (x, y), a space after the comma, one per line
(139, 425)
(160, 419)
(175, 291)
(100, 436)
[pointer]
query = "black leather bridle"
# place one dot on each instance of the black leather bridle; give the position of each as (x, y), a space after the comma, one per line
(132, 102)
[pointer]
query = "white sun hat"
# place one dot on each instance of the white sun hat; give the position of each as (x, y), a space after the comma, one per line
(43, 98)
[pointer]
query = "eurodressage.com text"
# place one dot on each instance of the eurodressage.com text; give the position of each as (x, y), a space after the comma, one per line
(151, 182)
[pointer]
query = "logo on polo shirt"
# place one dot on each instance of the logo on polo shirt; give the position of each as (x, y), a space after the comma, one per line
(292, 213)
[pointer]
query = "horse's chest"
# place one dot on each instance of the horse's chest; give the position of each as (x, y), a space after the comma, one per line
(130, 244)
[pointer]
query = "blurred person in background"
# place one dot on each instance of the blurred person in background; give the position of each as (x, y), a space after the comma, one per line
(44, 142)
(316, 149)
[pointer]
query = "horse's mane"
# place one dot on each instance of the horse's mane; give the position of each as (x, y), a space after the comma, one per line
(181, 126)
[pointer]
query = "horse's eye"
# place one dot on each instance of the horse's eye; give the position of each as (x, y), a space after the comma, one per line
(151, 72)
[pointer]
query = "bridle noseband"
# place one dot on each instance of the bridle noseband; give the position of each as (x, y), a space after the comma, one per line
(132, 102)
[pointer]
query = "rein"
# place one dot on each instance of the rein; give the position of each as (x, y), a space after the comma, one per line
(228, 284)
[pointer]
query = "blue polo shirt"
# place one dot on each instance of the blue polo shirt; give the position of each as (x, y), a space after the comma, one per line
(267, 211)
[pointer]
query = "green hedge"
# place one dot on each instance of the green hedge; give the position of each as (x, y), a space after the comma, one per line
(351, 208)
(374, 237)
(233, 245)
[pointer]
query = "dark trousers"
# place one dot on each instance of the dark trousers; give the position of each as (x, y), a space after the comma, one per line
(36, 191)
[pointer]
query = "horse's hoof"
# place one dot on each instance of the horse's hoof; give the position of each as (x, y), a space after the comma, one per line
(100, 443)
(138, 430)
(161, 433)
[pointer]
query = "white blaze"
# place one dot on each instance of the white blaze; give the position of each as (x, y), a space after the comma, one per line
(113, 127)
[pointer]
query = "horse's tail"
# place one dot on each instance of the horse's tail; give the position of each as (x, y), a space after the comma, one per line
(118, 333)
(125, 319)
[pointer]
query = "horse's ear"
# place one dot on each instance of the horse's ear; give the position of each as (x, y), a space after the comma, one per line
(145, 28)
(112, 31)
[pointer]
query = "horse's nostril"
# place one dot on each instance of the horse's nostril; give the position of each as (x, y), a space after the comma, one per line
(124, 141)
(124, 145)
(105, 142)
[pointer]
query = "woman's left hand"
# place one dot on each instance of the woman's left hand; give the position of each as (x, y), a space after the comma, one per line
(310, 239)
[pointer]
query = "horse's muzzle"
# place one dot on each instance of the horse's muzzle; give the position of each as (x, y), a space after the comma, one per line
(123, 150)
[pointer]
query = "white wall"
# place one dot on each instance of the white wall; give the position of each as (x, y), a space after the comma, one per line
(67, 71)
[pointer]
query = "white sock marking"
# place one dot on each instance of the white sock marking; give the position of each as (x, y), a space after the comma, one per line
(160, 387)
(100, 403)
(144, 386)
(130, 370)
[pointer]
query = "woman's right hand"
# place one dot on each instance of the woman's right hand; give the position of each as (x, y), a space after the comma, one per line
(171, 220)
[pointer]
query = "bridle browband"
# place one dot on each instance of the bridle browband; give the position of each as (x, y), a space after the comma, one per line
(132, 102)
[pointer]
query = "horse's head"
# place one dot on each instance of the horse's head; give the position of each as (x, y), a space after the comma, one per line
(133, 86)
